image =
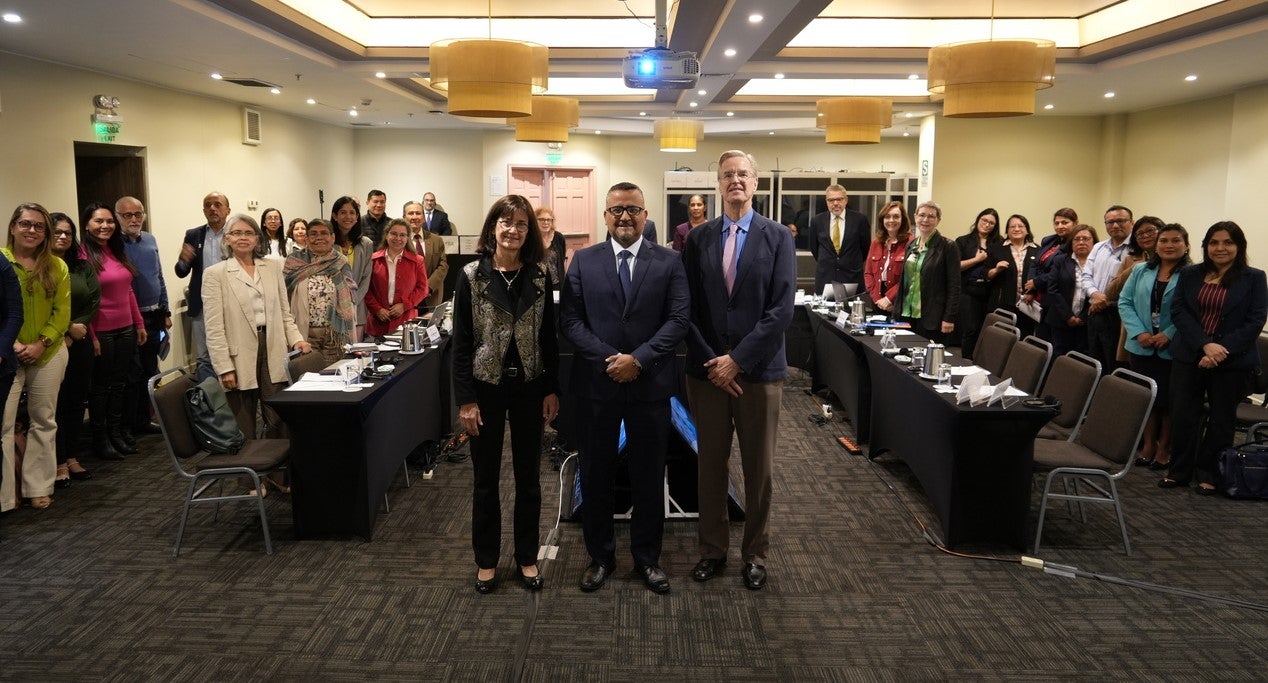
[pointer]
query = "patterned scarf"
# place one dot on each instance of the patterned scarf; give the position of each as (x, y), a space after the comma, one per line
(304, 264)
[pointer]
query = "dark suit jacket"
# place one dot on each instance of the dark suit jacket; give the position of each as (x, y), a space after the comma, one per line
(439, 223)
(845, 265)
(750, 323)
(598, 321)
(649, 231)
(1241, 319)
(11, 314)
(1058, 300)
(939, 284)
(1004, 286)
(194, 237)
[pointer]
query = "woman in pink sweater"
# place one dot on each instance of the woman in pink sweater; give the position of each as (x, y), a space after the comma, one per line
(116, 331)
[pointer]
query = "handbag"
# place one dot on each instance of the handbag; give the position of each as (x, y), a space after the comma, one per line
(1244, 471)
(212, 421)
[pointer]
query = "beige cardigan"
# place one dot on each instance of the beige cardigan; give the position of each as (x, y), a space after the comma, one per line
(232, 341)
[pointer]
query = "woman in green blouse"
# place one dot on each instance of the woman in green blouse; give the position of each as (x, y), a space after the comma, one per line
(45, 285)
(85, 297)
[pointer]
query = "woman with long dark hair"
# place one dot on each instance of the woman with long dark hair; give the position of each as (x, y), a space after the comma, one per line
(975, 280)
(38, 355)
(884, 267)
(1011, 261)
(1219, 309)
(296, 235)
(696, 217)
(117, 330)
(85, 299)
(271, 223)
(1140, 249)
(1144, 305)
(506, 369)
(321, 290)
(345, 215)
(1063, 222)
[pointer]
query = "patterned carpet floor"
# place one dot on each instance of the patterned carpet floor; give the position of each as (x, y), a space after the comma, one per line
(89, 589)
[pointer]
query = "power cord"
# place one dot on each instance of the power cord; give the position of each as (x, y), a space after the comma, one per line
(1053, 568)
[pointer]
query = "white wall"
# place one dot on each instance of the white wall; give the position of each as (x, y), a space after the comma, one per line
(193, 145)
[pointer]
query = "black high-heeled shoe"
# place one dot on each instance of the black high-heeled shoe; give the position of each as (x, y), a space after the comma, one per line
(532, 583)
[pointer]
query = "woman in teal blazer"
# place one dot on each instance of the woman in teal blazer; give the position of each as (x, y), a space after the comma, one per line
(1145, 308)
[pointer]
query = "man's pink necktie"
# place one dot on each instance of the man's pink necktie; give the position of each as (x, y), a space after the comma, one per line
(728, 258)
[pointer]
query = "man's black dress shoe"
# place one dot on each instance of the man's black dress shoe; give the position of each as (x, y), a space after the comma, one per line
(654, 578)
(532, 583)
(596, 575)
(147, 429)
(754, 576)
(707, 569)
(1169, 483)
(486, 586)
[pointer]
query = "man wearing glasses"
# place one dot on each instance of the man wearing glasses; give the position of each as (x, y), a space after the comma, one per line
(151, 297)
(741, 272)
(624, 309)
(1103, 322)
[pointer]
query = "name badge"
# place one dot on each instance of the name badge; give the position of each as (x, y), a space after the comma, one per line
(433, 334)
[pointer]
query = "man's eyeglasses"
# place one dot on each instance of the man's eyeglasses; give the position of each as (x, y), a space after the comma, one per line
(1117, 221)
(131, 215)
(31, 225)
(522, 226)
(926, 216)
(617, 211)
(733, 175)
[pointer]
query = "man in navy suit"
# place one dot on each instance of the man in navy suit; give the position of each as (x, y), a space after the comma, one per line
(201, 250)
(742, 273)
(839, 240)
(624, 309)
(437, 221)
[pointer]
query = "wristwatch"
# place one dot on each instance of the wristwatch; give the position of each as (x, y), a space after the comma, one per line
(45, 340)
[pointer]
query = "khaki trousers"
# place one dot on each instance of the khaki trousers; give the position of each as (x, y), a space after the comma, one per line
(39, 465)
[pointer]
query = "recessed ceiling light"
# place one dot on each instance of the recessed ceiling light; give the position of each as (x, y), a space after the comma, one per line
(216, 76)
(779, 75)
(380, 74)
(312, 101)
(693, 104)
(387, 123)
(1047, 106)
(12, 18)
(1109, 94)
(730, 52)
(642, 113)
(730, 113)
(771, 133)
(1191, 77)
(913, 77)
(755, 18)
(906, 134)
(352, 112)
(598, 132)
(909, 115)
(702, 93)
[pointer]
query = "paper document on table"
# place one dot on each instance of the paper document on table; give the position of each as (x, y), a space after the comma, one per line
(312, 381)
(902, 333)
(965, 370)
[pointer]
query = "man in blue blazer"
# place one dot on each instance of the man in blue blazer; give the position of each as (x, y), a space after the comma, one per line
(624, 308)
(742, 273)
(200, 251)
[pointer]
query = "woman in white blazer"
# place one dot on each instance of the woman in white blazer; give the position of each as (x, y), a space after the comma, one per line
(249, 324)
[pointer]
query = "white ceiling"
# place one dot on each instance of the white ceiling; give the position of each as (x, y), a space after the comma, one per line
(178, 43)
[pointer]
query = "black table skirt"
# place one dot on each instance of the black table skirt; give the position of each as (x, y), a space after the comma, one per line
(347, 447)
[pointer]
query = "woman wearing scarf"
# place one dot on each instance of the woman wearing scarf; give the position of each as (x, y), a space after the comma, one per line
(322, 291)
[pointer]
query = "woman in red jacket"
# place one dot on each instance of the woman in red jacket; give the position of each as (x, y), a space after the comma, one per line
(884, 267)
(398, 282)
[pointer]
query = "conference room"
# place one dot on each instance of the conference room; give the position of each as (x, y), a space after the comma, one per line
(876, 569)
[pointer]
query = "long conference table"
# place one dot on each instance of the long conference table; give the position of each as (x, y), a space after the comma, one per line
(974, 463)
(347, 447)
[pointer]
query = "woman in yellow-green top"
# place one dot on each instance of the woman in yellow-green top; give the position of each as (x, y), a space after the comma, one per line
(929, 295)
(45, 285)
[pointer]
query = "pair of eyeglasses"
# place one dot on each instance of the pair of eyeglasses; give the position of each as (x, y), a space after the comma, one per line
(926, 216)
(132, 214)
(241, 233)
(522, 226)
(32, 225)
(618, 211)
(732, 175)
(61, 233)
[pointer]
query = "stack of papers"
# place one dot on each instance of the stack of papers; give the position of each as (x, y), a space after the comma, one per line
(976, 390)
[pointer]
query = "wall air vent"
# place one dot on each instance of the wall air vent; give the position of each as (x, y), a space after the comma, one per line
(249, 82)
(250, 126)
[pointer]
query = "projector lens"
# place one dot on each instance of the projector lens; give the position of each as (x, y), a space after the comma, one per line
(647, 67)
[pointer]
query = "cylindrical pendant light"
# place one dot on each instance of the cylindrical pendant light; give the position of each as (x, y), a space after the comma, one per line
(991, 78)
(552, 117)
(489, 78)
(854, 120)
(678, 135)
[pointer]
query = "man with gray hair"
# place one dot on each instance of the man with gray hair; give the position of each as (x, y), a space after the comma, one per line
(151, 297)
(200, 251)
(839, 240)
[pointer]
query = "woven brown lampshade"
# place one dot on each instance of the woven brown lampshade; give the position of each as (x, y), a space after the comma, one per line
(487, 77)
(551, 119)
(991, 78)
(678, 135)
(853, 120)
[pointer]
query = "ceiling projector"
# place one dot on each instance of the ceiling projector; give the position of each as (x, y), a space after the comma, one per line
(661, 68)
